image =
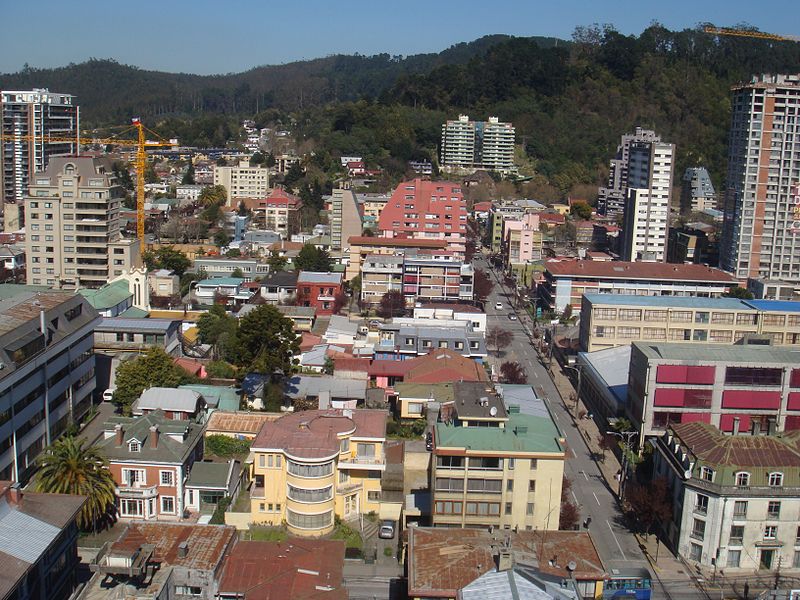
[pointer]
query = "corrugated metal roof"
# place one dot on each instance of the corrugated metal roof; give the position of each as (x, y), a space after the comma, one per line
(669, 301)
(716, 353)
(167, 399)
(314, 277)
(501, 585)
(775, 305)
(123, 324)
(37, 537)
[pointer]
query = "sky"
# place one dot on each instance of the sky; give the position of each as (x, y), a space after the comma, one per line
(224, 36)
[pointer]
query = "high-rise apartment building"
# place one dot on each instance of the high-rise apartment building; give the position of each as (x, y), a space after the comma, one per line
(242, 181)
(73, 239)
(611, 199)
(761, 227)
(649, 189)
(472, 145)
(697, 191)
(345, 218)
(27, 118)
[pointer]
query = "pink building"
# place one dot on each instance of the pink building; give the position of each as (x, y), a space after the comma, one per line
(433, 210)
(522, 240)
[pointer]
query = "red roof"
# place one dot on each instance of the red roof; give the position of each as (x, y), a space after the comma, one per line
(637, 270)
(361, 240)
(440, 366)
(344, 363)
(552, 218)
(297, 569)
(313, 433)
(308, 340)
(482, 206)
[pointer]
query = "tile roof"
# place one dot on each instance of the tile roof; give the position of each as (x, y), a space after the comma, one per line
(358, 240)
(313, 433)
(444, 365)
(637, 270)
(297, 569)
(712, 446)
(242, 423)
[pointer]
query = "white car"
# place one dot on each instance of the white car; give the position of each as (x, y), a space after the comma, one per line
(108, 395)
(386, 531)
(498, 306)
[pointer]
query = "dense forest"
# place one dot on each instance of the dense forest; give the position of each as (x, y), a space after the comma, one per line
(570, 101)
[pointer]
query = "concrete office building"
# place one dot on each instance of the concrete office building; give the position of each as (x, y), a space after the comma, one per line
(650, 167)
(697, 191)
(242, 181)
(47, 376)
(73, 225)
(611, 199)
(27, 118)
(761, 227)
(344, 218)
(472, 145)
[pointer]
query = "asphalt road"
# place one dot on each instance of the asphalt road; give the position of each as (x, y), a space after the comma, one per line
(618, 547)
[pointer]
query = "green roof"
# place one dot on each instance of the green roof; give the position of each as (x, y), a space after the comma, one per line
(438, 392)
(224, 397)
(134, 313)
(541, 435)
(209, 475)
(9, 290)
(107, 296)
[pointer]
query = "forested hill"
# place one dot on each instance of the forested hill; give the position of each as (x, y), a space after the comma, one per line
(109, 92)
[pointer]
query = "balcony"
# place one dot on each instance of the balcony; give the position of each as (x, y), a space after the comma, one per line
(363, 463)
(257, 492)
(137, 490)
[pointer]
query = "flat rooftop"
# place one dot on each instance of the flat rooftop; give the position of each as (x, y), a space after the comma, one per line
(638, 270)
(670, 301)
(711, 353)
(522, 433)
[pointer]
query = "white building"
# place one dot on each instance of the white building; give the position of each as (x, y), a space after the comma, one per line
(650, 169)
(242, 181)
(472, 145)
(611, 199)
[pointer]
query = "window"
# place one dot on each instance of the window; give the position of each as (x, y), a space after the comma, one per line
(532, 485)
(740, 509)
(262, 460)
(770, 532)
(511, 463)
(486, 486)
(449, 484)
(270, 460)
(529, 509)
(486, 463)
(742, 479)
(301, 521)
(695, 552)
(508, 508)
(701, 504)
(447, 507)
(737, 535)
(134, 446)
(167, 478)
(302, 470)
(796, 560)
(188, 590)
(734, 557)
(450, 462)
(774, 510)
(510, 485)
(304, 495)
(698, 529)
(131, 508)
(775, 479)
(373, 496)
(534, 463)
(483, 508)
(168, 504)
(344, 445)
(706, 474)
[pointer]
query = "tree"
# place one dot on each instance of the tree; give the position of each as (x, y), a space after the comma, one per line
(328, 366)
(215, 194)
(221, 238)
(167, 257)
(339, 301)
(275, 261)
(216, 327)
(606, 442)
(393, 304)
(498, 338)
(570, 514)
(738, 292)
(311, 258)
(153, 369)
(237, 272)
(482, 285)
(233, 253)
(266, 342)
(219, 369)
(293, 175)
(512, 372)
(581, 210)
(649, 504)
(188, 177)
(150, 175)
(70, 466)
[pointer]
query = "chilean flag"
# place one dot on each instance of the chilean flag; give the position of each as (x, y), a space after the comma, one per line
(136, 120)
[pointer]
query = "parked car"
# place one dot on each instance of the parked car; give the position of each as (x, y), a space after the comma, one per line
(512, 316)
(429, 441)
(108, 395)
(386, 531)
(498, 306)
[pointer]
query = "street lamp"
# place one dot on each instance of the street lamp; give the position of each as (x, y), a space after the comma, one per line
(625, 436)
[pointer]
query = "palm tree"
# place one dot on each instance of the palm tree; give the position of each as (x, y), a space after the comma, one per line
(69, 466)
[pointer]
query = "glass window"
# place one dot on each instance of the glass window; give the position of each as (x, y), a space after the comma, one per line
(302, 521)
(740, 509)
(698, 529)
(167, 478)
(776, 479)
(701, 503)
(770, 532)
(707, 474)
(774, 509)
(529, 509)
(734, 558)
(168, 504)
(742, 479)
(737, 534)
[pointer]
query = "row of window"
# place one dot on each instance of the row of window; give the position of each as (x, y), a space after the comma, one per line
(135, 508)
(484, 486)
(742, 478)
(739, 507)
(481, 462)
(138, 477)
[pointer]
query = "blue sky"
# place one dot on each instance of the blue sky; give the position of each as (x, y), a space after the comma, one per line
(223, 36)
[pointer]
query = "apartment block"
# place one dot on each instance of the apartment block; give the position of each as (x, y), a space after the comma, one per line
(73, 227)
(608, 321)
(566, 281)
(762, 201)
(522, 240)
(494, 465)
(344, 218)
(48, 372)
(27, 119)
(279, 211)
(242, 181)
(406, 338)
(427, 210)
(313, 465)
(649, 189)
(612, 198)
(735, 498)
(371, 207)
(732, 387)
(363, 246)
(472, 145)
(420, 277)
(697, 191)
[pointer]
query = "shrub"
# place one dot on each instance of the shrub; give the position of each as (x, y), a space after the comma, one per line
(218, 517)
(225, 446)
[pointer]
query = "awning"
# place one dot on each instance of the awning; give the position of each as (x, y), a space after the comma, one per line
(390, 511)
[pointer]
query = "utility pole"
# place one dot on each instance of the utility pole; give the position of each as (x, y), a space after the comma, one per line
(625, 436)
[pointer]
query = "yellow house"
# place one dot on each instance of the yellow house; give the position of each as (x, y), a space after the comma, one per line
(309, 466)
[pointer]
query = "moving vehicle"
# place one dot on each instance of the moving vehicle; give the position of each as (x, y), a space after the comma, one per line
(386, 531)
(498, 306)
(512, 316)
(429, 441)
(108, 395)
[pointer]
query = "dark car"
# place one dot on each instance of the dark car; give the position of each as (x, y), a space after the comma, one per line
(429, 441)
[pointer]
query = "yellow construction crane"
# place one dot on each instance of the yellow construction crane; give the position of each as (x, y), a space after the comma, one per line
(140, 162)
(750, 33)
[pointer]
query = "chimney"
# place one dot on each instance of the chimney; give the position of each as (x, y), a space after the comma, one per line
(505, 561)
(14, 494)
(772, 426)
(154, 436)
(735, 425)
(118, 433)
(183, 549)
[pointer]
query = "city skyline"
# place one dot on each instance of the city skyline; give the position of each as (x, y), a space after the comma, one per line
(170, 36)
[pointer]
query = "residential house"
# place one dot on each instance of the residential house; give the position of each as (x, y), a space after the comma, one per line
(312, 465)
(238, 424)
(150, 458)
(232, 288)
(302, 317)
(114, 299)
(209, 482)
(163, 282)
(224, 266)
(437, 311)
(279, 211)
(278, 286)
(176, 404)
(327, 391)
(118, 334)
(39, 548)
(405, 338)
(319, 290)
(522, 240)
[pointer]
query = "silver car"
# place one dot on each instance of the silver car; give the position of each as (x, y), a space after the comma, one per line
(386, 531)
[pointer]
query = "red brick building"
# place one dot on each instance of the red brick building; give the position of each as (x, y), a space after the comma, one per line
(319, 290)
(433, 210)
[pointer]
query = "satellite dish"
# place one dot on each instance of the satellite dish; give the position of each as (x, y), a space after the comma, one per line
(572, 565)
(493, 411)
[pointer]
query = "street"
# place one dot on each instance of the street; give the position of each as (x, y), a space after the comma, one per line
(617, 546)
